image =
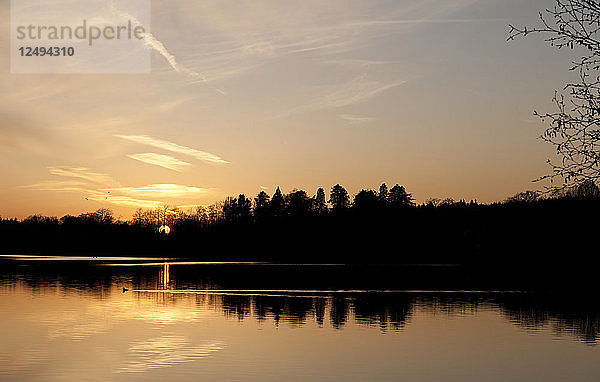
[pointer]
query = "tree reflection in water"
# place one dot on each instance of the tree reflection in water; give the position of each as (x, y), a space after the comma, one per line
(566, 314)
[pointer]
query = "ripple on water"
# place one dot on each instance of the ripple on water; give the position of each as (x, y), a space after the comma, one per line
(165, 351)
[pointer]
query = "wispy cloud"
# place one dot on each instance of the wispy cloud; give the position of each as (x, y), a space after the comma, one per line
(93, 186)
(125, 201)
(161, 191)
(371, 23)
(173, 147)
(81, 173)
(356, 119)
(353, 92)
(64, 185)
(93, 194)
(248, 34)
(161, 160)
(360, 63)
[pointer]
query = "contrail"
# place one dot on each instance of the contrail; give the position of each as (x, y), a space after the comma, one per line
(153, 43)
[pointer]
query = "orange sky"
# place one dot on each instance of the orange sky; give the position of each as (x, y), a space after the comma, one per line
(423, 93)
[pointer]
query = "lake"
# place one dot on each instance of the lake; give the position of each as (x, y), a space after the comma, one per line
(124, 319)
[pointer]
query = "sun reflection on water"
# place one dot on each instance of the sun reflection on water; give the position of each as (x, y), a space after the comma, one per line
(165, 351)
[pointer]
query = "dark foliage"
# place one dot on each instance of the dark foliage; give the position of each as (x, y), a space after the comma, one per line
(378, 227)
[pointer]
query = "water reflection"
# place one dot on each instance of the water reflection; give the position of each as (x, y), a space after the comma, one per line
(384, 309)
(574, 316)
(166, 351)
(156, 297)
(164, 277)
(207, 322)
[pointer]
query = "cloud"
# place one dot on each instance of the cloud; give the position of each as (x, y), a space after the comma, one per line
(124, 200)
(161, 160)
(360, 63)
(161, 191)
(173, 147)
(353, 92)
(69, 185)
(81, 173)
(373, 23)
(93, 184)
(355, 119)
(251, 33)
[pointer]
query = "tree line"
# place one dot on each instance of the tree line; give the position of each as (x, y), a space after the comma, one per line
(264, 207)
(298, 204)
(532, 229)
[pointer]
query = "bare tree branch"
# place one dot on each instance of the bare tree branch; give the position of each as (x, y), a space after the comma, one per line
(574, 128)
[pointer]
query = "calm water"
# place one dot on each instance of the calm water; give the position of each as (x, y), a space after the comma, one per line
(67, 320)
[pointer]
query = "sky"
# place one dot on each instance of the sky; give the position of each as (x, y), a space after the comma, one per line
(249, 95)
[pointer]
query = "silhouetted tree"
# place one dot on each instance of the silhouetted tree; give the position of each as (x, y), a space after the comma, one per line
(137, 218)
(383, 195)
(461, 203)
(244, 206)
(433, 202)
(230, 209)
(339, 198)
(201, 216)
(399, 197)
(215, 212)
(146, 218)
(524, 197)
(366, 200)
(587, 190)
(237, 210)
(41, 220)
(262, 205)
(298, 203)
(448, 202)
(104, 216)
(320, 204)
(574, 128)
(166, 215)
(101, 216)
(278, 203)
